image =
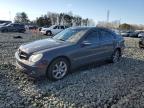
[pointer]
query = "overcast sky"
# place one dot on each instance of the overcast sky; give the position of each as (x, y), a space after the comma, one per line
(129, 11)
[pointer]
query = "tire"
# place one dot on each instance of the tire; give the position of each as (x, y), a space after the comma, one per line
(48, 33)
(58, 69)
(140, 45)
(116, 56)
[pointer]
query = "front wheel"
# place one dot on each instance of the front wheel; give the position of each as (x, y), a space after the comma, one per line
(49, 33)
(58, 69)
(116, 56)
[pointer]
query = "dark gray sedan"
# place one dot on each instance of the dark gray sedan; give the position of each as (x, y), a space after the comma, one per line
(13, 27)
(73, 47)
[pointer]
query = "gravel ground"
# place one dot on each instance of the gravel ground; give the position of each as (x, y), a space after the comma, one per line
(105, 85)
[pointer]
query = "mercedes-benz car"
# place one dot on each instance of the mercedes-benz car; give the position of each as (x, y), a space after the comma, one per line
(71, 48)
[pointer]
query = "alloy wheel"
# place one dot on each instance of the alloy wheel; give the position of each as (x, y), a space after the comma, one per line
(59, 70)
(116, 56)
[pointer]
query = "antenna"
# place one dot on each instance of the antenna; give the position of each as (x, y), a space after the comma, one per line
(108, 14)
(10, 15)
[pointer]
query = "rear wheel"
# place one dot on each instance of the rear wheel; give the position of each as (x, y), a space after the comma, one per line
(116, 56)
(58, 69)
(141, 46)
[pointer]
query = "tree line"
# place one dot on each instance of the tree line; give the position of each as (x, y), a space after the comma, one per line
(69, 19)
(117, 25)
(50, 18)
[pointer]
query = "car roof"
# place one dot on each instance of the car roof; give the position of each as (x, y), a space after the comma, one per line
(92, 28)
(82, 27)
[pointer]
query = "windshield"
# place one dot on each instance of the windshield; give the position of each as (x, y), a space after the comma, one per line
(70, 35)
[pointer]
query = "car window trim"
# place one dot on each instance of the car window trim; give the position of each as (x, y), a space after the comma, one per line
(93, 30)
(114, 37)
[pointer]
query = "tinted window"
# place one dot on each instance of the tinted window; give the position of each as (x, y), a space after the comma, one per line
(106, 36)
(18, 25)
(93, 37)
(56, 27)
(15, 25)
(62, 27)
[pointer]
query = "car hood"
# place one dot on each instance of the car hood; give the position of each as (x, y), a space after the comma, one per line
(40, 45)
(44, 29)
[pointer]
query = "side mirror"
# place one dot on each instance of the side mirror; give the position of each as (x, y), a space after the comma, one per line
(85, 43)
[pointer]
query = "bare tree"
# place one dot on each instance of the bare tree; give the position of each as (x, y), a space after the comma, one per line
(21, 18)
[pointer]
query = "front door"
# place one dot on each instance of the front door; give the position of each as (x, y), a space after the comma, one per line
(88, 50)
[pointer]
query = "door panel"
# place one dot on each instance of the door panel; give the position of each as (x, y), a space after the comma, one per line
(106, 43)
(88, 53)
(56, 30)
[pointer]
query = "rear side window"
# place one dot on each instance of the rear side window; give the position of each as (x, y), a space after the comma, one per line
(106, 36)
(93, 37)
(18, 25)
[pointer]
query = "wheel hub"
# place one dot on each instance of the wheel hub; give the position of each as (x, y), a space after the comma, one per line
(59, 70)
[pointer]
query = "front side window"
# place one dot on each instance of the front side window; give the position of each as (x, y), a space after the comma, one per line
(16, 25)
(93, 37)
(56, 27)
(70, 35)
(62, 27)
(106, 36)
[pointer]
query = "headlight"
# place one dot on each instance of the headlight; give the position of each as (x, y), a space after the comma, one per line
(35, 58)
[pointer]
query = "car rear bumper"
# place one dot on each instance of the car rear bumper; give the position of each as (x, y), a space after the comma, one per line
(30, 69)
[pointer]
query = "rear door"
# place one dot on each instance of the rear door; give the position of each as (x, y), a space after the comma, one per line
(106, 43)
(60, 28)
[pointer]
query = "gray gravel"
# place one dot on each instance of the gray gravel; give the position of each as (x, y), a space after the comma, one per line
(101, 85)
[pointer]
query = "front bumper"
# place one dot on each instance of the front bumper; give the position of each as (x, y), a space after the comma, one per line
(33, 70)
(43, 32)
